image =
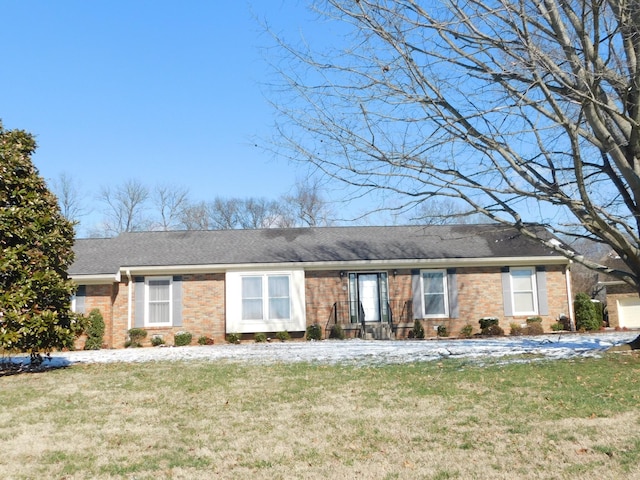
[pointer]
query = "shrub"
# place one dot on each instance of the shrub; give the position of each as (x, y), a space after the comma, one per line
(494, 331)
(565, 322)
(442, 331)
(314, 332)
(95, 330)
(157, 340)
(136, 335)
(489, 326)
(182, 338)
(204, 340)
(283, 336)
(418, 330)
(486, 322)
(466, 331)
(557, 327)
(534, 326)
(260, 337)
(337, 332)
(233, 338)
(516, 329)
(585, 312)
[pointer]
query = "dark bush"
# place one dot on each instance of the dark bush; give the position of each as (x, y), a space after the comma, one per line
(136, 335)
(314, 332)
(585, 312)
(495, 331)
(182, 339)
(487, 322)
(260, 337)
(418, 330)
(442, 331)
(337, 332)
(283, 336)
(95, 330)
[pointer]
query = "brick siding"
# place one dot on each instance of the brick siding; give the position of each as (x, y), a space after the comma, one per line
(203, 303)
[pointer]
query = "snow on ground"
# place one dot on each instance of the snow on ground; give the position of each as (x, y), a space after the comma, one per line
(361, 352)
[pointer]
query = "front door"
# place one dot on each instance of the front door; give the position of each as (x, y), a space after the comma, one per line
(369, 294)
(368, 297)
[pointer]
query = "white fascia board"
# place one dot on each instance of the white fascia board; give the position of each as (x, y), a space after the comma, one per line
(100, 279)
(346, 265)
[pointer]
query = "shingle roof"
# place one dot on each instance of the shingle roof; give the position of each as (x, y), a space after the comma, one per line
(321, 244)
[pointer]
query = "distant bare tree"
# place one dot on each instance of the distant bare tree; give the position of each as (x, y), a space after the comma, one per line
(306, 205)
(170, 203)
(260, 213)
(125, 207)
(70, 197)
(224, 213)
(445, 211)
(195, 217)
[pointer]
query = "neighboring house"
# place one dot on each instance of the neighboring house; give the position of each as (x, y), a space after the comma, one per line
(211, 283)
(622, 300)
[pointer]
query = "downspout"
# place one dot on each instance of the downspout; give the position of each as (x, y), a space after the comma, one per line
(129, 301)
(570, 297)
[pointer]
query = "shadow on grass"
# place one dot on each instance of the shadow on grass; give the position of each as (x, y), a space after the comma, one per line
(23, 364)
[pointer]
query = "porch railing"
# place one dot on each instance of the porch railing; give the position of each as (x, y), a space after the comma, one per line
(399, 311)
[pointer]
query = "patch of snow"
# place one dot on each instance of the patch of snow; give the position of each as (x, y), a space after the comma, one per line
(359, 352)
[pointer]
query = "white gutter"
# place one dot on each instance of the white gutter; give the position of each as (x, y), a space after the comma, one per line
(129, 302)
(570, 298)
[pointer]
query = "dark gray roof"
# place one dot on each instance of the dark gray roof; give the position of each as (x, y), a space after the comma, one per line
(321, 244)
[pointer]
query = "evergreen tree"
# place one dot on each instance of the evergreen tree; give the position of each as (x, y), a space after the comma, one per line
(36, 243)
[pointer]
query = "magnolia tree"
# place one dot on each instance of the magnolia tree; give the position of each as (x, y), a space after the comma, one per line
(36, 249)
(527, 112)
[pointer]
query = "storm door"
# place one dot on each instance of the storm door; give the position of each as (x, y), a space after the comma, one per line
(368, 297)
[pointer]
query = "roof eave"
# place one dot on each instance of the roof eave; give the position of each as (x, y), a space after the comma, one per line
(346, 265)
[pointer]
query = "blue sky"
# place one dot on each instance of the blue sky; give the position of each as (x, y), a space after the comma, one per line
(159, 91)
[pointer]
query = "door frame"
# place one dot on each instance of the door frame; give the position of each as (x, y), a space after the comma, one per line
(355, 310)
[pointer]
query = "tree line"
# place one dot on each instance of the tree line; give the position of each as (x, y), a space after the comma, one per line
(134, 206)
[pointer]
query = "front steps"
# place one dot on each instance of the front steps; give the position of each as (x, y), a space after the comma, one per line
(380, 331)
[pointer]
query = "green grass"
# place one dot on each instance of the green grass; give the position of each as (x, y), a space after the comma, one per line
(451, 419)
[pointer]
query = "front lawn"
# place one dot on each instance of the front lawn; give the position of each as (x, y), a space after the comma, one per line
(434, 420)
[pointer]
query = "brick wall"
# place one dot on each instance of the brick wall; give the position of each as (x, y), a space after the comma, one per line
(479, 295)
(203, 307)
(203, 303)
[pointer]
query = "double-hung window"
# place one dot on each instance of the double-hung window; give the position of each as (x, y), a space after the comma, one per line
(266, 297)
(523, 291)
(434, 291)
(158, 295)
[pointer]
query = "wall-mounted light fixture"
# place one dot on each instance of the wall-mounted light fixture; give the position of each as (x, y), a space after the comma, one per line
(395, 272)
(341, 273)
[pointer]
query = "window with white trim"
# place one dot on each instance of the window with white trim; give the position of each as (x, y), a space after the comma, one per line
(434, 291)
(158, 311)
(266, 297)
(523, 290)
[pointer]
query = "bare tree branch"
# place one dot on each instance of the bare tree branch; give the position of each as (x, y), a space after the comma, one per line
(526, 110)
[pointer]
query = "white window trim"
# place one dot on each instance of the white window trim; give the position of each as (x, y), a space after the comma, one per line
(266, 317)
(233, 304)
(445, 293)
(534, 291)
(146, 302)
